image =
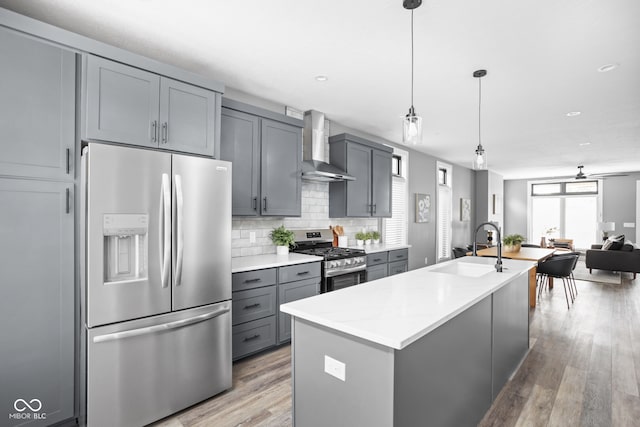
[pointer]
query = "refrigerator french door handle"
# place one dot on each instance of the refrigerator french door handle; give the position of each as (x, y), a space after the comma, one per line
(163, 327)
(179, 230)
(164, 226)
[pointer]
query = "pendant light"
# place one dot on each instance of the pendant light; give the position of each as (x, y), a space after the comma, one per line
(480, 159)
(412, 123)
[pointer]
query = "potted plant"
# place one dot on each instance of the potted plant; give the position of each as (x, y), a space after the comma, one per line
(375, 236)
(282, 238)
(367, 238)
(360, 238)
(512, 242)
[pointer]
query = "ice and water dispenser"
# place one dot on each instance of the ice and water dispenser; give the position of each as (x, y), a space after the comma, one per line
(125, 247)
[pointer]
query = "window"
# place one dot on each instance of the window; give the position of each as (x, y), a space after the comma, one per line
(395, 228)
(565, 209)
(444, 211)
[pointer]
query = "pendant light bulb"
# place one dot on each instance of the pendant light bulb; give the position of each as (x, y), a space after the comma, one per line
(480, 159)
(412, 123)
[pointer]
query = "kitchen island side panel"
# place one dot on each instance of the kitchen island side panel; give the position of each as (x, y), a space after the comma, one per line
(444, 378)
(365, 398)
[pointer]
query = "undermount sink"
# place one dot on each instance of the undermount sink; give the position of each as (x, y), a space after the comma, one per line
(466, 269)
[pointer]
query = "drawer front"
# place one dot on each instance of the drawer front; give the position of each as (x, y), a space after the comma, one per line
(253, 304)
(253, 336)
(398, 255)
(253, 279)
(376, 272)
(293, 291)
(291, 273)
(377, 258)
(398, 267)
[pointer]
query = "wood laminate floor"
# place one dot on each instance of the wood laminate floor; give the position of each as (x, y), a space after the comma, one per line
(583, 369)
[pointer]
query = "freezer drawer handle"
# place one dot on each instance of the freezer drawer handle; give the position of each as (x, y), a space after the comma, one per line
(158, 328)
(249, 307)
(165, 231)
(251, 338)
(180, 232)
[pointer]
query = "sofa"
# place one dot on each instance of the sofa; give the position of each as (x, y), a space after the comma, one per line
(624, 258)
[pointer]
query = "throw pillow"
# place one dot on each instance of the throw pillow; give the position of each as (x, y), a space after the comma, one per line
(614, 243)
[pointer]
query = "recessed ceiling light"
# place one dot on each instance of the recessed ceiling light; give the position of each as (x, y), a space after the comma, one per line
(607, 67)
(573, 113)
(322, 78)
(583, 144)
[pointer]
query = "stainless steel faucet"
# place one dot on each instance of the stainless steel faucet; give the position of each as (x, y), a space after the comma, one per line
(475, 244)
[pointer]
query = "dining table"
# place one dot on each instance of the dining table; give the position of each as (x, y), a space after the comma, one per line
(527, 254)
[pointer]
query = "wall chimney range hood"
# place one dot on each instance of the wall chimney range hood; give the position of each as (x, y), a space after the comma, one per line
(314, 165)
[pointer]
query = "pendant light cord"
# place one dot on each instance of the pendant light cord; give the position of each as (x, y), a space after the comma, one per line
(412, 59)
(479, 109)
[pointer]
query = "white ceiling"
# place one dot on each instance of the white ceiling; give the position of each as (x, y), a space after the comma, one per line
(542, 58)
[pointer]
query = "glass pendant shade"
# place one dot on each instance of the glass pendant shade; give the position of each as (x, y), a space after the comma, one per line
(480, 160)
(412, 128)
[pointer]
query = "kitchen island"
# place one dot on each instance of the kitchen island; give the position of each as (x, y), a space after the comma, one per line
(432, 346)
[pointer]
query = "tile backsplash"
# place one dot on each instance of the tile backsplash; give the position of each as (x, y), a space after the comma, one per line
(315, 214)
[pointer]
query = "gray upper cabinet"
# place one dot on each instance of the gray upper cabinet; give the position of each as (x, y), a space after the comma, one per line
(37, 304)
(187, 117)
(37, 108)
(370, 163)
(266, 151)
(132, 106)
(281, 157)
(240, 144)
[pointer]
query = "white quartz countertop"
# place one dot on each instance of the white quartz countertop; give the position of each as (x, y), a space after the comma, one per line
(258, 262)
(380, 247)
(398, 310)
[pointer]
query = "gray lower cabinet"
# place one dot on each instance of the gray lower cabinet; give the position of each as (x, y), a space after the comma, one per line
(257, 321)
(266, 153)
(398, 261)
(370, 163)
(128, 105)
(387, 263)
(253, 313)
(288, 292)
(37, 108)
(37, 308)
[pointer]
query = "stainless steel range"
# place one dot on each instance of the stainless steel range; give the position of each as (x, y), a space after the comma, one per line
(342, 267)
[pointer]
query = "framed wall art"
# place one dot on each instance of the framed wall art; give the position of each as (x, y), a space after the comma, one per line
(423, 207)
(465, 209)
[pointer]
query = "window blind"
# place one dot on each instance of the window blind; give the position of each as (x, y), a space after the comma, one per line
(444, 209)
(395, 228)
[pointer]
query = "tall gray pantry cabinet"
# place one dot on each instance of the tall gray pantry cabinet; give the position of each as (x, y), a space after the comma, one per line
(266, 151)
(37, 135)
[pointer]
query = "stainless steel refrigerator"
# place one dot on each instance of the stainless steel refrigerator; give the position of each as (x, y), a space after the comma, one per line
(156, 292)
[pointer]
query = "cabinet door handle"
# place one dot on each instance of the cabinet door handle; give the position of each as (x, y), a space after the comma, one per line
(302, 273)
(251, 338)
(249, 307)
(257, 279)
(264, 204)
(165, 132)
(399, 256)
(154, 131)
(68, 200)
(68, 160)
(255, 203)
(377, 259)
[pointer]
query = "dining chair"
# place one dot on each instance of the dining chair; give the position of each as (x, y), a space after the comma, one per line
(558, 267)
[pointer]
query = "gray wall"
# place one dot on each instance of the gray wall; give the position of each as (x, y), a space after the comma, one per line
(618, 204)
(515, 209)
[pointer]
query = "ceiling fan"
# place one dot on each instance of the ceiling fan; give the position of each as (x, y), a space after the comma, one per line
(582, 175)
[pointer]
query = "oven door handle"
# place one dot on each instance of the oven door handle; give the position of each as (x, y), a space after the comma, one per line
(345, 271)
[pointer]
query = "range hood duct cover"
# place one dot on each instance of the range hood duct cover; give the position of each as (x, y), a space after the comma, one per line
(314, 165)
